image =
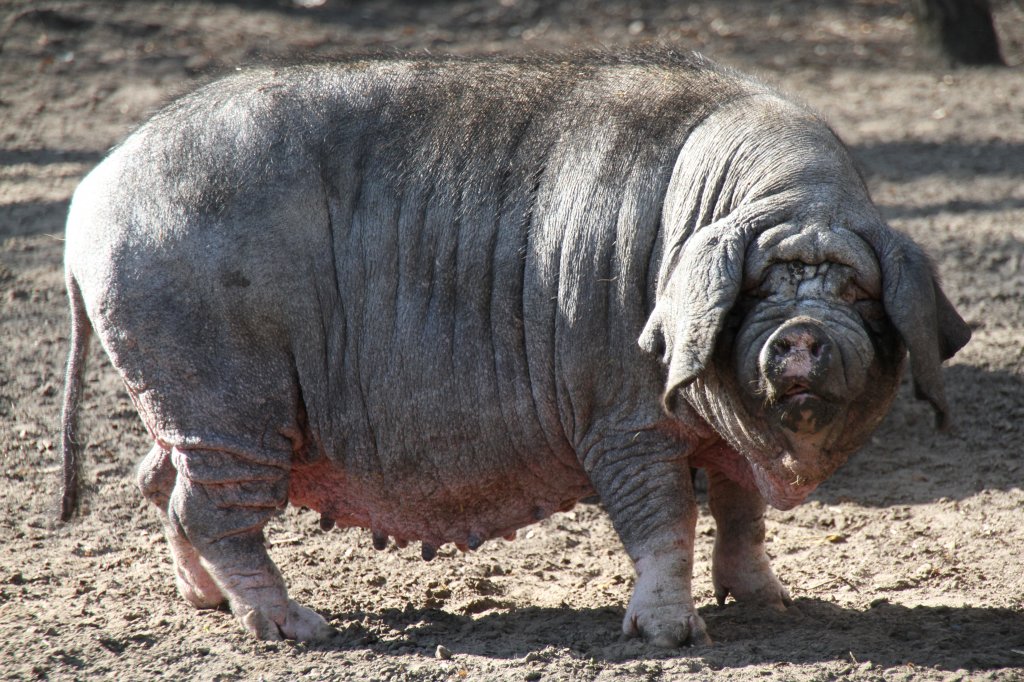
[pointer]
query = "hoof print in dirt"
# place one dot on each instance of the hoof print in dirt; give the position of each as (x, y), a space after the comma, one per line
(445, 298)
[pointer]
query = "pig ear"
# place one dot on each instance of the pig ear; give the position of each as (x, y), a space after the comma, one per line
(931, 328)
(698, 285)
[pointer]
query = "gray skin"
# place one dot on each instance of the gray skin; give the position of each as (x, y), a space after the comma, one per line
(442, 299)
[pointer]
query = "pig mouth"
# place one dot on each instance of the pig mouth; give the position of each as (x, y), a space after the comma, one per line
(802, 411)
(795, 392)
(798, 391)
(797, 395)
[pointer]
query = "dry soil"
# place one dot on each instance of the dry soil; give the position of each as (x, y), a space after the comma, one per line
(906, 565)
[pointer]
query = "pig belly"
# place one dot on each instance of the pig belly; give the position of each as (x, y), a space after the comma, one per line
(436, 512)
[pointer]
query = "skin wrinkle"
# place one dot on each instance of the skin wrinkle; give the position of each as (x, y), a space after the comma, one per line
(549, 335)
(608, 275)
(491, 326)
(336, 337)
(361, 379)
(333, 437)
(863, 358)
(506, 185)
(324, 312)
(525, 250)
(568, 281)
(484, 388)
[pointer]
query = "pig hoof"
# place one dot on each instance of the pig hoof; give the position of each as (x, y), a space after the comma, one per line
(196, 585)
(299, 623)
(204, 595)
(669, 630)
(778, 600)
(763, 590)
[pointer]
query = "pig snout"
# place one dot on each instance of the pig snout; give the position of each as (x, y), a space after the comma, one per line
(801, 375)
(796, 357)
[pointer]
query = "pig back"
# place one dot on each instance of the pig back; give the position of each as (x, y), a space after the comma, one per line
(423, 274)
(491, 230)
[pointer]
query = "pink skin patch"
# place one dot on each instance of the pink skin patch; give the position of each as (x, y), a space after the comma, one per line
(778, 493)
(722, 457)
(461, 512)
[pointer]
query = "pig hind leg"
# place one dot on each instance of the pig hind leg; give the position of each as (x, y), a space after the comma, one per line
(223, 513)
(156, 477)
(739, 564)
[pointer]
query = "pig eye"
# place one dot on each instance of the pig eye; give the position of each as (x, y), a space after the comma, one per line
(873, 313)
(756, 289)
(757, 293)
(853, 293)
(868, 307)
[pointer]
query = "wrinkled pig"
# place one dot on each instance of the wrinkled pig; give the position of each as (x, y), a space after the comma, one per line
(442, 299)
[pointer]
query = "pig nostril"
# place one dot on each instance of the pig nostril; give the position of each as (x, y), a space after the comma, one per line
(782, 347)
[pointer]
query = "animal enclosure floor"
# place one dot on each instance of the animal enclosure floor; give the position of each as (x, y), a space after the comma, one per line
(906, 565)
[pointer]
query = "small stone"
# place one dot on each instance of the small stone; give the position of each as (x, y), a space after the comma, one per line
(442, 652)
(532, 676)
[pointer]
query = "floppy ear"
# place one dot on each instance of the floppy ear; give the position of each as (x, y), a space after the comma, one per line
(932, 330)
(698, 285)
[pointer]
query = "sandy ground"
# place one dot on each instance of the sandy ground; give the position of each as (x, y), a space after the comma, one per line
(906, 565)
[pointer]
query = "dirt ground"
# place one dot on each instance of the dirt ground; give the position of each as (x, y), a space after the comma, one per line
(906, 565)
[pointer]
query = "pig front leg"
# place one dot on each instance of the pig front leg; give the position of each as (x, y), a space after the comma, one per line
(221, 510)
(646, 488)
(739, 563)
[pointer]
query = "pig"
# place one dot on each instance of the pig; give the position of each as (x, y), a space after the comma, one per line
(444, 298)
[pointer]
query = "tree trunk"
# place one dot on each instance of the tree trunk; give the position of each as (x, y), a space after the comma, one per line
(960, 30)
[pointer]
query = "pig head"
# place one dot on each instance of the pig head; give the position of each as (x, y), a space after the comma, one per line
(796, 353)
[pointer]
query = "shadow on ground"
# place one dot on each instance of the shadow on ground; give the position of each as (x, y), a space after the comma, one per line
(901, 160)
(895, 469)
(943, 637)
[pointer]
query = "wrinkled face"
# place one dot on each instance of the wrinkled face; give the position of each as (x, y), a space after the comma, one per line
(809, 361)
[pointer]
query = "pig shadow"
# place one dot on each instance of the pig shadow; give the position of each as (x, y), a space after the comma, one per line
(909, 462)
(813, 631)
